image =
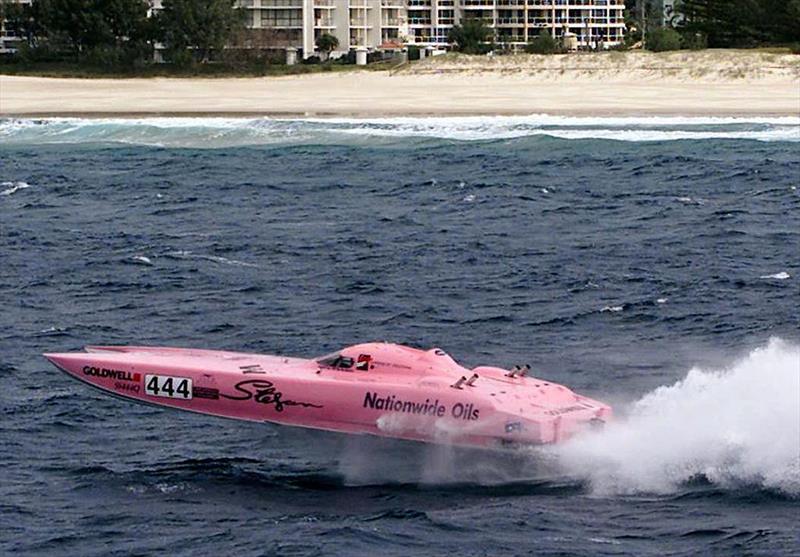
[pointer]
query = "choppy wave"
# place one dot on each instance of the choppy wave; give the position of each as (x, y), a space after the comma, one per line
(733, 427)
(10, 188)
(230, 132)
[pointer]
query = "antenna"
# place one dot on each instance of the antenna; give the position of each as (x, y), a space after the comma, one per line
(457, 384)
(471, 380)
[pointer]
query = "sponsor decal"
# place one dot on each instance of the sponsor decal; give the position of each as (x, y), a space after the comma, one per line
(565, 410)
(167, 386)
(127, 387)
(117, 374)
(264, 392)
(254, 368)
(391, 364)
(459, 410)
(205, 392)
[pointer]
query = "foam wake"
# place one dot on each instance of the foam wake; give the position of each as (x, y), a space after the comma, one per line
(731, 427)
(231, 132)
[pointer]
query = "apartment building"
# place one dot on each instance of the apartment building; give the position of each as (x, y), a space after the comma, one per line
(390, 23)
(387, 24)
(595, 23)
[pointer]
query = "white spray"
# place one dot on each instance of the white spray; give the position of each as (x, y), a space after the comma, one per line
(739, 426)
(732, 427)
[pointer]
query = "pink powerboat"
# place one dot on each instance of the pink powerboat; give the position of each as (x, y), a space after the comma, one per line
(376, 388)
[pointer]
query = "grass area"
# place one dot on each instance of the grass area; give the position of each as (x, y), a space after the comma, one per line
(721, 63)
(214, 70)
(733, 62)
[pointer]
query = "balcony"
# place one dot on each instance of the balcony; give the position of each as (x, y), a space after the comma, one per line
(511, 38)
(512, 21)
(280, 5)
(575, 3)
(281, 25)
(390, 22)
(418, 21)
(482, 4)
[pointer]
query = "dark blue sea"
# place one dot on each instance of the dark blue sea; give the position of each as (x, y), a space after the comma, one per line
(653, 263)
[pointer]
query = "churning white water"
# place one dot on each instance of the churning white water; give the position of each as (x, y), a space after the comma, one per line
(229, 132)
(735, 426)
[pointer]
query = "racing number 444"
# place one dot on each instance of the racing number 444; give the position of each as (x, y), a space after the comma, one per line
(168, 387)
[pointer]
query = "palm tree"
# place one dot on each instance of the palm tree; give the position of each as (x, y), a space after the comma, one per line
(327, 43)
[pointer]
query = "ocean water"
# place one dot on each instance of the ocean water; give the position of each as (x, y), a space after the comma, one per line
(650, 262)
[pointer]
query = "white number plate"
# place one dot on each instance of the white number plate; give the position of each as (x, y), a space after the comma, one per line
(168, 386)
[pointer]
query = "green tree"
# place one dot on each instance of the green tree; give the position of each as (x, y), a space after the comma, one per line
(543, 43)
(197, 27)
(660, 39)
(22, 19)
(87, 25)
(326, 43)
(472, 37)
(741, 23)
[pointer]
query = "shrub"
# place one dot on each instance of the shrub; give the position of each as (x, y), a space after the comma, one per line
(543, 43)
(694, 41)
(472, 37)
(374, 57)
(349, 58)
(180, 57)
(661, 39)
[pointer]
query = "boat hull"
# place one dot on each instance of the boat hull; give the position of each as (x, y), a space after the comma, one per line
(300, 392)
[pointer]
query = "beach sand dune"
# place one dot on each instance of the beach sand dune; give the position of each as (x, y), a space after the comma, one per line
(614, 83)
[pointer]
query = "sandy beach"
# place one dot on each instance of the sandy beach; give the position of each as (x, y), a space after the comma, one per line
(616, 83)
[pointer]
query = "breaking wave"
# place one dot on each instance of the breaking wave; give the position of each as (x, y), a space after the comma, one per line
(734, 427)
(232, 132)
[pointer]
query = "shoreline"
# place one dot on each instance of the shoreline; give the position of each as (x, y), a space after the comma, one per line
(245, 115)
(705, 83)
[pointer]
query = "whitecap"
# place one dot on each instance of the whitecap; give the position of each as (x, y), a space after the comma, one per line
(783, 275)
(186, 254)
(13, 187)
(612, 309)
(689, 200)
(142, 259)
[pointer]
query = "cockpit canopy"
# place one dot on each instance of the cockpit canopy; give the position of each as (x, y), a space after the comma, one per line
(386, 357)
(336, 360)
